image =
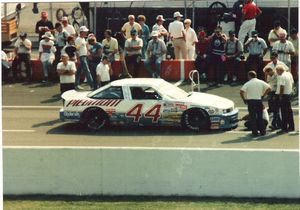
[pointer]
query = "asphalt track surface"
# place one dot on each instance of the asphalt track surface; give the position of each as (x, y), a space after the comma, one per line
(30, 117)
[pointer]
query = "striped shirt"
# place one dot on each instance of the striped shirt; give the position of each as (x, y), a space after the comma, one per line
(282, 49)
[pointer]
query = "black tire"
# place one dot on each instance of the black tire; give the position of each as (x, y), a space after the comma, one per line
(95, 119)
(195, 120)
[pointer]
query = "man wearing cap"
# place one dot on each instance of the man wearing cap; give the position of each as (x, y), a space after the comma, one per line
(82, 53)
(68, 27)
(61, 37)
(22, 54)
(284, 90)
(252, 93)
(233, 52)
(257, 49)
(191, 39)
(46, 54)
(43, 25)
(202, 47)
(110, 46)
(177, 35)
(133, 52)
(274, 33)
(275, 62)
(273, 102)
(66, 70)
(155, 53)
(285, 49)
(250, 13)
(163, 33)
(131, 24)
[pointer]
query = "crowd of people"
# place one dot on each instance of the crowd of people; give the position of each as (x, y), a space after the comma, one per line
(60, 46)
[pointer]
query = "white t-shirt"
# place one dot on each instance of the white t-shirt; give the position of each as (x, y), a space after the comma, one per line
(191, 37)
(285, 47)
(161, 29)
(80, 44)
(275, 35)
(254, 89)
(130, 43)
(286, 80)
(67, 78)
(47, 49)
(21, 45)
(70, 29)
(103, 71)
(176, 29)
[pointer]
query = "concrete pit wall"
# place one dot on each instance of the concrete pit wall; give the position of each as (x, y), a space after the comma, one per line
(159, 172)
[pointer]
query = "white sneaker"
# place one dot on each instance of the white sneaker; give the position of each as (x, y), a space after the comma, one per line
(226, 78)
(234, 78)
(203, 75)
(78, 87)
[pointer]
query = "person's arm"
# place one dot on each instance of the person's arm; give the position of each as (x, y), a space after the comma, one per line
(242, 94)
(267, 91)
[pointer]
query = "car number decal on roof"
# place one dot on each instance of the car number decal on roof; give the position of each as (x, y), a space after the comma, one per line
(100, 102)
(136, 113)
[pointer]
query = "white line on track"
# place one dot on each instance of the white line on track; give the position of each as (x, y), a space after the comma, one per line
(18, 131)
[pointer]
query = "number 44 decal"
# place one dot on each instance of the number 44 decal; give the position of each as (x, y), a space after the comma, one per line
(136, 113)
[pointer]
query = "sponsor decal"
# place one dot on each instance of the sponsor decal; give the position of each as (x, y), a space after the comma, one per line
(90, 102)
(72, 114)
(181, 106)
(110, 112)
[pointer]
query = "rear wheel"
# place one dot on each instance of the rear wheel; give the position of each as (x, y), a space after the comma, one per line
(195, 120)
(95, 119)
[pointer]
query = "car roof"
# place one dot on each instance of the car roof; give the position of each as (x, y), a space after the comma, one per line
(153, 82)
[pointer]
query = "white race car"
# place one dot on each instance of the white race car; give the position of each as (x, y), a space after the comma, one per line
(148, 101)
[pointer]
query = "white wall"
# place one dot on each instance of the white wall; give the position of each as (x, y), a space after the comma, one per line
(127, 171)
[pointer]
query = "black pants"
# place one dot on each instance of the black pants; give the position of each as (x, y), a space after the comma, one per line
(23, 57)
(66, 86)
(218, 67)
(258, 60)
(233, 63)
(57, 57)
(133, 63)
(273, 103)
(286, 113)
(255, 109)
(93, 66)
(201, 64)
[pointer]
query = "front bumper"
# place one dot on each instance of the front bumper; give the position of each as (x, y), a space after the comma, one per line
(225, 121)
(69, 116)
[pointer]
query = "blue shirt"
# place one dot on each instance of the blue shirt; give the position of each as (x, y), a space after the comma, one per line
(94, 51)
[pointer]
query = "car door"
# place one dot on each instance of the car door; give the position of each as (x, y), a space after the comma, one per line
(145, 106)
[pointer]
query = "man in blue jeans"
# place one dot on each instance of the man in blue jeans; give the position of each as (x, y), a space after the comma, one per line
(82, 51)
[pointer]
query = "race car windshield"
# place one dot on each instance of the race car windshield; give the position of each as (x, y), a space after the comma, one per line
(172, 91)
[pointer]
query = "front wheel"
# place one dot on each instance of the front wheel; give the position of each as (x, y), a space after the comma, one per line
(95, 119)
(195, 120)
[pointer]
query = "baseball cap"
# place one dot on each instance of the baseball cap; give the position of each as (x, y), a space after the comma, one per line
(274, 54)
(177, 14)
(64, 18)
(48, 35)
(23, 34)
(231, 33)
(83, 29)
(133, 32)
(155, 33)
(160, 17)
(254, 33)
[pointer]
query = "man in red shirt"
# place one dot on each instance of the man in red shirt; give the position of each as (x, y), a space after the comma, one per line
(201, 50)
(250, 12)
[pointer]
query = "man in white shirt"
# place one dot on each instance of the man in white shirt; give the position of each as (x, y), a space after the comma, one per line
(163, 33)
(191, 39)
(285, 49)
(252, 93)
(82, 52)
(68, 27)
(275, 62)
(104, 71)
(66, 71)
(110, 45)
(284, 90)
(274, 33)
(177, 35)
(22, 52)
(131, 24)
(133, 53)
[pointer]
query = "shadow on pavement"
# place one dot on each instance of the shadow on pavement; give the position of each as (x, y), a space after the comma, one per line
(49, 123)
(79, 129)
(55, 98)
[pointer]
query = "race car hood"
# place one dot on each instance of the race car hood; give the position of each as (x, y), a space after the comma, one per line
(205, 99)
(73, 94)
